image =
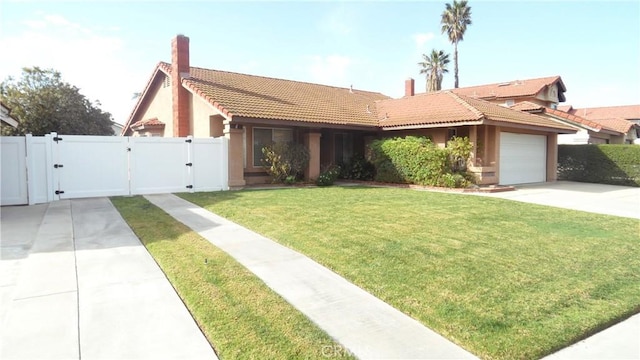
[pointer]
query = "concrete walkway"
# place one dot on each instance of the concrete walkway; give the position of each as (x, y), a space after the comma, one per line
(366, 326)
(77, 283)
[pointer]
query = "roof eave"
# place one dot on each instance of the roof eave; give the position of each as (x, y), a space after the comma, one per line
(430, 126)
(534, 127)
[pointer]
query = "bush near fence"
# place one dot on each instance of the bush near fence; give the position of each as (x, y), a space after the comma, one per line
(602, 164)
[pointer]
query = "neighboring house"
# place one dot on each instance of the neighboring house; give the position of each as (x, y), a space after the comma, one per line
(547, 91)
(334, 123)
(624, 119)
(5, 116)
(588, 132)
(116, 127)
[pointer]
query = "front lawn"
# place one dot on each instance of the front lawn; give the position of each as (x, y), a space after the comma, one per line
(237, 312)
(505, 280)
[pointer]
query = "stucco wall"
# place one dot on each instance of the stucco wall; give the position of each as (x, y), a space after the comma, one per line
(160, 107)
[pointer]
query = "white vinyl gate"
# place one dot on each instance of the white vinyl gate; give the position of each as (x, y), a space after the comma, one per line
(53, 167)
(14, 170)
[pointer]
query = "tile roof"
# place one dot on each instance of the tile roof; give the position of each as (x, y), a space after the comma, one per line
(261, 97)
(154, 122)
(511, 89)
(566, 108)
(573, 118)
(446, 108)
(620, 125)
(527, 106)
(609, 112)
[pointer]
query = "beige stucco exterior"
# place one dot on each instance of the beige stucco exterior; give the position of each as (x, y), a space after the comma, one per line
(157, 105)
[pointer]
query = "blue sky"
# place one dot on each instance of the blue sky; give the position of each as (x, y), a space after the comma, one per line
(109, 49)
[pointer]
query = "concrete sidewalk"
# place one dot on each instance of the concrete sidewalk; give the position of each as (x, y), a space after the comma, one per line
(365, 325)
(81, 285)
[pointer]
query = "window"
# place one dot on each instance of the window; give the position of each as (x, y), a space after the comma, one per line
(509, 102)
(263, 137)
(451, 132)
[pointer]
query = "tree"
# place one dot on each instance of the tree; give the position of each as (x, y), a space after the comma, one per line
(42, 103)
(455, 19)
(434, 66)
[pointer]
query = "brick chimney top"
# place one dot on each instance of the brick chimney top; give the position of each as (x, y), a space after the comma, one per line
(409, 87)
(180, 55)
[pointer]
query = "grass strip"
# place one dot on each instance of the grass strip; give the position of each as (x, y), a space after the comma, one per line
(504, 279)
(237, 312)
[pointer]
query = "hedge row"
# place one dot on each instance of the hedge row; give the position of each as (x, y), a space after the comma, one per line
(603, 164)
(414, 160)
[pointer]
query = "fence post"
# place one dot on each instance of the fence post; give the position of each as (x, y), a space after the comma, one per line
(190, 177)
(52, 157)
(30, 163)
(224, 162)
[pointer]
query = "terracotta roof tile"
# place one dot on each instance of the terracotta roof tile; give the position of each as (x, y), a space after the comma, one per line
(423, 109)
(511, 89)
(566, 108)
(445, 107)
(573, 118)
(609, 112)
(261, 97)
(148, 122)
(527, 106)
(616, 124)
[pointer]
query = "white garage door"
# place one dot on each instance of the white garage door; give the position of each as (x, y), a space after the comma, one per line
(523, 158)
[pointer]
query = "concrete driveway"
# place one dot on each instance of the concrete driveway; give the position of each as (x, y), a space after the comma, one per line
(596, 198)
(77, 283)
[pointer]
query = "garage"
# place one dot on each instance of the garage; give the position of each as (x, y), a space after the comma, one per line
(523, 158)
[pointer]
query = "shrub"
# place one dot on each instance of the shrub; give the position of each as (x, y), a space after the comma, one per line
(604, 164)
(285, 161)
(417, 160)
(358, 168)
(459, 151)
(411, 159)
(328, 176)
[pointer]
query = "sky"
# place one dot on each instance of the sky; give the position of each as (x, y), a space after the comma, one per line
(109, 49)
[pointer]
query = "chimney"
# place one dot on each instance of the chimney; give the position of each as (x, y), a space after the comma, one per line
(180, 69)
(409, 87)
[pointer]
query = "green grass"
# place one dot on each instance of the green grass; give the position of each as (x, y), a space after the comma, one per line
(237, 312)
(505, 280)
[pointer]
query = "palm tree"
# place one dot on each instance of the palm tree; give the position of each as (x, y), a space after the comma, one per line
(455, 19)
(435, 66)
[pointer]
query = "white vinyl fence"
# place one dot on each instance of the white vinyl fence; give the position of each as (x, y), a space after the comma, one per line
(39, 169)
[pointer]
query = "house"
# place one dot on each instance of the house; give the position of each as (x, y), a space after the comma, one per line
(546, 91)
(116, 127)
(5, 117)
(588, 131)
(334, 123)
(624, 119)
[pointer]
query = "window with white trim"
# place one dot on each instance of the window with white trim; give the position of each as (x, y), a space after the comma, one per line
(267, 136)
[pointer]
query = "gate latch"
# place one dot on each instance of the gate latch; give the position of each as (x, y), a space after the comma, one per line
(58, 166)
(58, 192)
(189, 164)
